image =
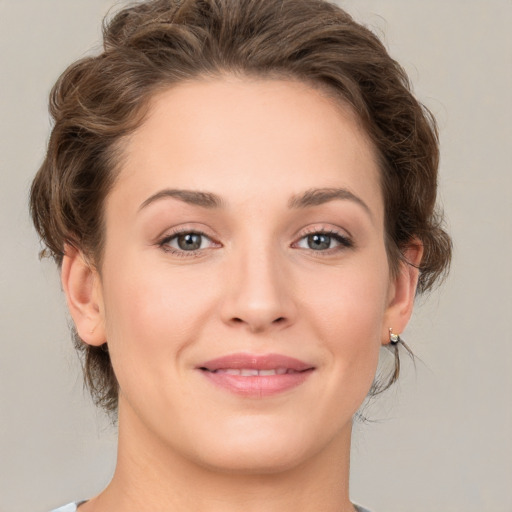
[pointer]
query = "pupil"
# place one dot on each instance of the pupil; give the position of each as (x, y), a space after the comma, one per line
(319, 242)
(189, 242)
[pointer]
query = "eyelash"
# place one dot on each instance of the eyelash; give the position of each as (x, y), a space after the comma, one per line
(163, 244)
(344, 242)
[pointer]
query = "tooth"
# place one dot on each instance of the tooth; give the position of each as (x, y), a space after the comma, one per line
(228, 371)
(246, 372)
(253, 372)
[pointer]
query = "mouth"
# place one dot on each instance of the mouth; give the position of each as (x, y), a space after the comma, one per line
(252, 372)
(256, 375)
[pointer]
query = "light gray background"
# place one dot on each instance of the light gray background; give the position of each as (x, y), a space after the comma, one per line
(443, 439)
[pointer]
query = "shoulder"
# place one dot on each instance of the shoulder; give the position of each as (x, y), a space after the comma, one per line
(71, 507)
(360, 509)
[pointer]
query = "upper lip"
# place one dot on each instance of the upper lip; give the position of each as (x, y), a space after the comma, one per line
(255, 362)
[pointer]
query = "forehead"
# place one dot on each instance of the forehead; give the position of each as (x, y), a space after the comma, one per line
(244, 137)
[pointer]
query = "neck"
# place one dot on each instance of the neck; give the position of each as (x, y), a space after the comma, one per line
(149, 476)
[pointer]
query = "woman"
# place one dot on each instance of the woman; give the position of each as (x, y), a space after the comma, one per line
(241, 197)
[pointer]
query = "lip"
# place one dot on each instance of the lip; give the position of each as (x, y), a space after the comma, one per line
(289, 373)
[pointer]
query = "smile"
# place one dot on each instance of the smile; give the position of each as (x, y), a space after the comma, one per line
(253, 372)
(257, 376)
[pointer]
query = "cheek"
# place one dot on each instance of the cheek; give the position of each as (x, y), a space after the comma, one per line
(151, 323)
(350, 298)
(151, 314)
(347, 310)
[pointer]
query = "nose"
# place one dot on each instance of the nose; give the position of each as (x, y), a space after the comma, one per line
(258, 292)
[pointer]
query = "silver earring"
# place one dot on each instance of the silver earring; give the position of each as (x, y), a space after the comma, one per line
(394, 338)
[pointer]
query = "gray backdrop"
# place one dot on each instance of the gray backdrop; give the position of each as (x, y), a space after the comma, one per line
(442, 441)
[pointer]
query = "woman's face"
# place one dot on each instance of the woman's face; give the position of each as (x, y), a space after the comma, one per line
(245, 288)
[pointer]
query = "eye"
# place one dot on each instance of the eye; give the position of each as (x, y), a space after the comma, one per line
(323, 241)
(187, 241)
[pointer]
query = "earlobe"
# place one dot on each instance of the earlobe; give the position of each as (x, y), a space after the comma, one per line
(403, 291)
(81, 285)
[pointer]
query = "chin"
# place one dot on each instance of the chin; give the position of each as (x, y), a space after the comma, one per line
(261, 447)
(254, 461)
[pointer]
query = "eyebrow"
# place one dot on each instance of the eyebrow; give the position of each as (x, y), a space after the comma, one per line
(311, 197)
(204, 199)
(318, 196)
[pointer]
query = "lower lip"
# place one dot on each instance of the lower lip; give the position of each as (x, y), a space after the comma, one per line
(258, 385)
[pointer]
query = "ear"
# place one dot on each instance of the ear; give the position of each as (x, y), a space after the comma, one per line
(402, 291)
(82, 286)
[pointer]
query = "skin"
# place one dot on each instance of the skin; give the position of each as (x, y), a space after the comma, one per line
(255, 285)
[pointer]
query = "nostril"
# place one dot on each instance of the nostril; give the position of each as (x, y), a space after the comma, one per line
(279, 320)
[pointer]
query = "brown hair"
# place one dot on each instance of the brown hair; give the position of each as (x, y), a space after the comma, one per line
(154, 44)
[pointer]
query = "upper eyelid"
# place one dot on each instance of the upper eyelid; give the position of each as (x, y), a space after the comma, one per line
(188, 228)
(179, 232)
(323, 228)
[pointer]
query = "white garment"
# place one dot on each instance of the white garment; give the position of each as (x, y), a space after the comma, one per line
(72, 508)
(66, 508)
